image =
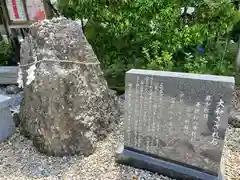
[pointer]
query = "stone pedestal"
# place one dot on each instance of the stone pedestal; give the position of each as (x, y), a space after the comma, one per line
(7, 126)
(141, 160)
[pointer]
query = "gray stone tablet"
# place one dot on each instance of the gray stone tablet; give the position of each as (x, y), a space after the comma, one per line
(7, 125)
(180, 118)
(8, 74)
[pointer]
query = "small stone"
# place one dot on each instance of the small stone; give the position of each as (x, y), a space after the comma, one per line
(45, 173)
(16, 119)
(234, 118)
(12, 89)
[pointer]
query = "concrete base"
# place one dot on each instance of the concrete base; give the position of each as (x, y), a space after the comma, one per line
(8, 74)
(131, 157)
(7, 126)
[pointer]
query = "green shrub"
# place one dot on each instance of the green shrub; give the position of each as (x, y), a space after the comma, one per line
(5, 52)
(153, 34)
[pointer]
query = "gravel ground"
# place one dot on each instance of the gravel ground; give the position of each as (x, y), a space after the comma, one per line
(19, 160)
(231, 154)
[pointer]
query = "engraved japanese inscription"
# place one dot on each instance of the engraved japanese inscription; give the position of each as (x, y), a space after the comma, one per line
(178, 116)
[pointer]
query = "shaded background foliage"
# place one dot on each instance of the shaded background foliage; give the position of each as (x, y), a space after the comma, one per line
(5, 52)
(159, 34)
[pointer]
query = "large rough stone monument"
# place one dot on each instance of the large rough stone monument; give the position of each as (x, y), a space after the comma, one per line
(67, 106)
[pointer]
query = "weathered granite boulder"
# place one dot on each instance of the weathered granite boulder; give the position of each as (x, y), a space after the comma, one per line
(67, 106)
(234, 118)
(234, 115)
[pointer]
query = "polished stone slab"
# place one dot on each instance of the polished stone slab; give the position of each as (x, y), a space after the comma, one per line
(180, 117)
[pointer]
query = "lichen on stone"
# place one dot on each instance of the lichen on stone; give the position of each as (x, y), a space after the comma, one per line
(67, 106)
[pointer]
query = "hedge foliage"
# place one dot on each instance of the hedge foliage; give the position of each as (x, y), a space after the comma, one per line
(158, 34)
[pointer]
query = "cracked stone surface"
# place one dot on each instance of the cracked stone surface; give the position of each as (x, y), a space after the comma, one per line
(68, 106)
